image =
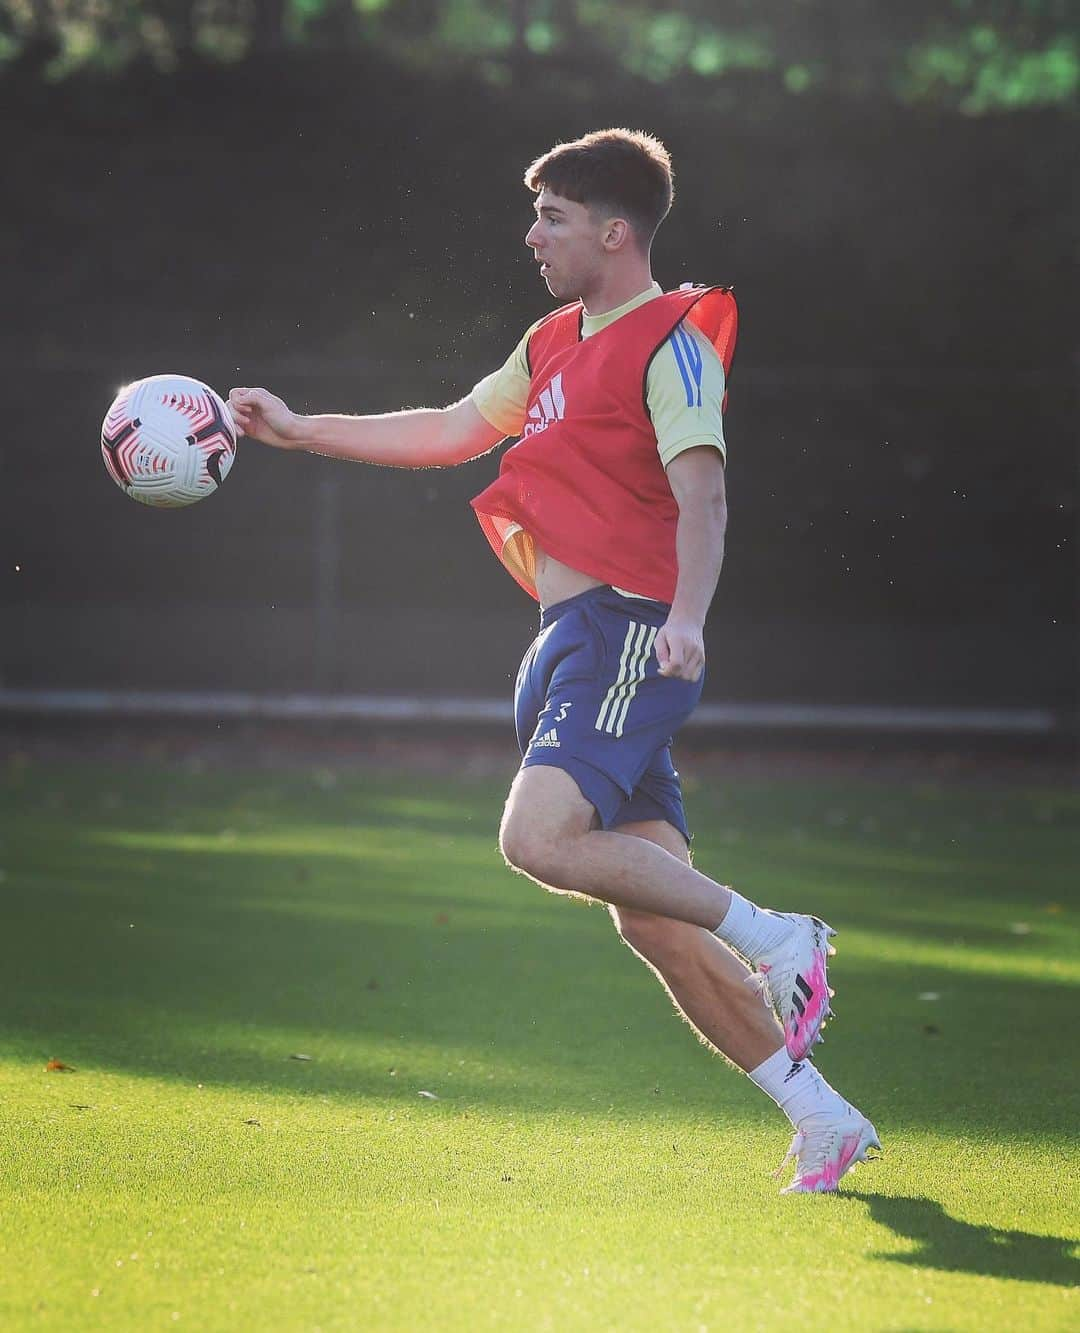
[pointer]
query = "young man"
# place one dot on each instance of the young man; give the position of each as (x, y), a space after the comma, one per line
(611, 512)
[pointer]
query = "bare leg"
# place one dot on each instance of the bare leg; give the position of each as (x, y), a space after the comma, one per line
(703, 977)
(548, 833)
(665, 911)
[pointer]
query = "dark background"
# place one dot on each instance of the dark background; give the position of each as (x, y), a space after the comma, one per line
(342, 222)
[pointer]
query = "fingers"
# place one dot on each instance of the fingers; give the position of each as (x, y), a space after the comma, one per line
(671, 655)
(686, 671)
(678, 658)
(662, 650)
(693, 663)
(242, 405)
(672, 663)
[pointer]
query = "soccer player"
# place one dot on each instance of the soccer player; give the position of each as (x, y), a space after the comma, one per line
(611, 511)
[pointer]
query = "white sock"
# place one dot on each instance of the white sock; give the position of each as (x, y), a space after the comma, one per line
(796, 1087)
(752, 931)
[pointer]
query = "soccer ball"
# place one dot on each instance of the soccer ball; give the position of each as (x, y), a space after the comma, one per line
(168, 441)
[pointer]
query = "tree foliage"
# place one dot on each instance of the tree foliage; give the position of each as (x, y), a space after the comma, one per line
(976, 56)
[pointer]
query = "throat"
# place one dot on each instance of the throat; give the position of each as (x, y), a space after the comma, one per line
(617, 292)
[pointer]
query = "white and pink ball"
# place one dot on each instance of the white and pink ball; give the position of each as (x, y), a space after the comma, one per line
(168, 440)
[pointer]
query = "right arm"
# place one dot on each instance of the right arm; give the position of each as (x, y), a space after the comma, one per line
(419, 437)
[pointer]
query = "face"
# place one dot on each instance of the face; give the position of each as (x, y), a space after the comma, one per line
(568, 243)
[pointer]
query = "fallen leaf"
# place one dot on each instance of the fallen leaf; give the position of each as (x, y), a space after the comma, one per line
(442, 919)
(299, 1056)
(1019, 928)
(929, 995)
(1055, 909)
(373, 984)
(58, 1067)
(930, 1030)
(433, 1096)
(78, 1106)
(253, 1122)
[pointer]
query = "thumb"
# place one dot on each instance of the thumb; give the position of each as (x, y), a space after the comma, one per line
(663, 652)
(676, 657)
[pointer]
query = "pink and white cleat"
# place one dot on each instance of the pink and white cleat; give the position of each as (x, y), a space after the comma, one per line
(825, 1148)
(793, 978)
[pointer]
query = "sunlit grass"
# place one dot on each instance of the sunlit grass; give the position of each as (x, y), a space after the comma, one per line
(179, 938)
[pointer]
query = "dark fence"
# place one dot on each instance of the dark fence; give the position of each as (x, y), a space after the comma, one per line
(860, 568)
(902, 469)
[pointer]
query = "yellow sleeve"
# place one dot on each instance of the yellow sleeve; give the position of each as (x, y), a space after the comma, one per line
(684, 390)
(501, 396)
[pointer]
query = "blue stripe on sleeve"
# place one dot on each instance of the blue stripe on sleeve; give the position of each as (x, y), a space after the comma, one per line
(693, 355)
(674, 341)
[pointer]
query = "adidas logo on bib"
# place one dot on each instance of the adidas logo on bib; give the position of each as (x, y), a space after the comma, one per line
(548, 738)
(550, 406)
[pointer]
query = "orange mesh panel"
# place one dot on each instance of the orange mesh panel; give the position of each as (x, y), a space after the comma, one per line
(717, 316)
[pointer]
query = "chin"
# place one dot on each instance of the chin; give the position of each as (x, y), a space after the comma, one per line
(560, 291)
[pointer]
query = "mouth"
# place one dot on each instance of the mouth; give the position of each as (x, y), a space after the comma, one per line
(545, 268)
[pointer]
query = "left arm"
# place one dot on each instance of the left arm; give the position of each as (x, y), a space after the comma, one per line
(696, 477)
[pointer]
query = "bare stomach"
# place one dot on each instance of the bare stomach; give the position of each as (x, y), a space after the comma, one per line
(555, 582)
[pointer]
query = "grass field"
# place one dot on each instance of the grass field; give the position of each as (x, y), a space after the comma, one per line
(498, 1121)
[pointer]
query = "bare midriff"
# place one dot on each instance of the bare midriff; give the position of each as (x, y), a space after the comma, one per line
(531, 564)
(555, 582)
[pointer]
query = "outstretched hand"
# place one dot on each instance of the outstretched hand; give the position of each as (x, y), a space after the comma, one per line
(680, 649)
(258, 413)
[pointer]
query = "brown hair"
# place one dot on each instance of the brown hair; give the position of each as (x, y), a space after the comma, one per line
(625, 171)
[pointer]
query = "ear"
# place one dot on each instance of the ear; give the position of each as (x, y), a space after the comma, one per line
(617, 234)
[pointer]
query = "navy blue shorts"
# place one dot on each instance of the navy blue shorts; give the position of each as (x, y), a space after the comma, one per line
(590, 700)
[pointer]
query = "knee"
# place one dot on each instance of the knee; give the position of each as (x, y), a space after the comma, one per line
(543, 821)
(525, 848)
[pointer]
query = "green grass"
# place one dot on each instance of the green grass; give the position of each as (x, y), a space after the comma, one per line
(177, 937)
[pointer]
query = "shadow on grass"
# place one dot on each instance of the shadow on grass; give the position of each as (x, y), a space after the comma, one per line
(202, 935)
(961, 1247)
(213, 969)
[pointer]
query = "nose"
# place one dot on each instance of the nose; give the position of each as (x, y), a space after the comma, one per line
(532, 236)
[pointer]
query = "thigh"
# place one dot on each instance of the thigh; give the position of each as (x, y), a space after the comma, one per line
(549, 804)
(661, 832)
(528, 696)
(608, 715)
(657, 798)
(559, 665)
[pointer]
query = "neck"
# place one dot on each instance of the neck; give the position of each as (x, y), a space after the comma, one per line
(615, 289)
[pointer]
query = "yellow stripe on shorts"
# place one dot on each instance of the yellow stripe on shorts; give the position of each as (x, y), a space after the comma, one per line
(632, 666)
(637, 675)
